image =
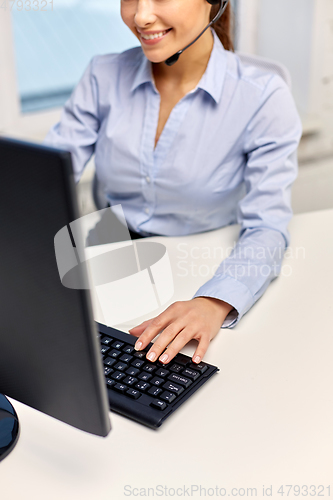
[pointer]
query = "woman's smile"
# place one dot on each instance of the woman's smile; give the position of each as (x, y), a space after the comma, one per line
(153, 37)
(151, 21)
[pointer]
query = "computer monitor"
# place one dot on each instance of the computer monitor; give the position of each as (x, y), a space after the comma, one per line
(49, 349)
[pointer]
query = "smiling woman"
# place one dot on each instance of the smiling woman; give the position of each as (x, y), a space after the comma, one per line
(174, 24)
(186, 148)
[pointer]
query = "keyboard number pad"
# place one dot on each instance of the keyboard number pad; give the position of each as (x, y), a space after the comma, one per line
(165, 382)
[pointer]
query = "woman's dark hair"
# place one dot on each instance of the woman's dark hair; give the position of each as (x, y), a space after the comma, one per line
(224, 26)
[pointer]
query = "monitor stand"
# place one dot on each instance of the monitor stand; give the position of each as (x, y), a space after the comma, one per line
(9, 427)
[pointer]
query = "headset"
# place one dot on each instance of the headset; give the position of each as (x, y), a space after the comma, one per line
(172, 59)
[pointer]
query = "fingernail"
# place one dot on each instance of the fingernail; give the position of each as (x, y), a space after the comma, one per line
(197, 359)
(164, 358)
(138, 346)
(151, 356)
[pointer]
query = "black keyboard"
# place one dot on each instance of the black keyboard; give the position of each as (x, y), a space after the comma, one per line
(144, 391)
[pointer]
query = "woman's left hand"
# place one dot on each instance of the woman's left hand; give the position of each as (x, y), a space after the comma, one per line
(199, 318)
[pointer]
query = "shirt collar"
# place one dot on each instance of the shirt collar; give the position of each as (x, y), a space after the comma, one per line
(211, 81)
(143, 73)
(213, 78)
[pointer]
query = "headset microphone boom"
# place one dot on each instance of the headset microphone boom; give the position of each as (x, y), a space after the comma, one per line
(172, 59)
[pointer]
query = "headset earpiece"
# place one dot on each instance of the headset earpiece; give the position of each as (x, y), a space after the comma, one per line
(223, 5)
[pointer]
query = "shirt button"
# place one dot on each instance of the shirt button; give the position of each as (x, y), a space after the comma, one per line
(147, 210)
(148, 179)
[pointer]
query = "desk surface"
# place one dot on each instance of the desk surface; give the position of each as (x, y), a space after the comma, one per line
(264, 420)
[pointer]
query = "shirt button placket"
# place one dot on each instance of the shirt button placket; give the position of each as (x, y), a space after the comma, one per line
(147, 156)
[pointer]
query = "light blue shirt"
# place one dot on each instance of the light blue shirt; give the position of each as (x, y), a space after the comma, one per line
(227, 155)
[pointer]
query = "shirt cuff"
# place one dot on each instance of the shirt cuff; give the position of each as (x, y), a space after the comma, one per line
(231, 291)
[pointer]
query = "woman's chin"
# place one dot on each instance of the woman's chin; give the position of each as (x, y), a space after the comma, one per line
(157, 58)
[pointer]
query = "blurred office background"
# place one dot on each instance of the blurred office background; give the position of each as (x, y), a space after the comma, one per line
(45, 49)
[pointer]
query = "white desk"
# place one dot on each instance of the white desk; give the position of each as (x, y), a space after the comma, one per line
(264, 419)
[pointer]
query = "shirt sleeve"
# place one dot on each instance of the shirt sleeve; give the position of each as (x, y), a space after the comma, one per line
(77, 130)
(270, 147)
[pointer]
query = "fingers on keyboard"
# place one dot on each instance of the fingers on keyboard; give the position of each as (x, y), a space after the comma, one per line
(128, 372)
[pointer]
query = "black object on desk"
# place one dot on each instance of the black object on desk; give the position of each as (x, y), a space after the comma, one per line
(148, 392)
(49, 350)
(9, 427)
(50, 354)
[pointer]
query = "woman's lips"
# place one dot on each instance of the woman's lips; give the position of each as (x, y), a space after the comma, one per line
(154, 41)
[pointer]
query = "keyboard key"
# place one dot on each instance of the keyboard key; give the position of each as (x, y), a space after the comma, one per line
(128, 349)
(107, 370)
(149, 368)
(154, 391)
(159, 364)
(142, 386)
(132, 371)
(145, 376)
(181, 359)
(120, 388)
(176, 368)
(117, 344)
(162, 372)
(137, 363)
(118, 375)
(126, 358)
(114, 353)
(132, 393)
(130, 380)
(157, 381)
(168, 396)
(140, 354)
(107, 341)
(200, 367)
(180, 379)
(110, 382)
(160, 405)
(170, 386)
(104, 349)
(120, 366)
(109, 361)
(190, 373)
